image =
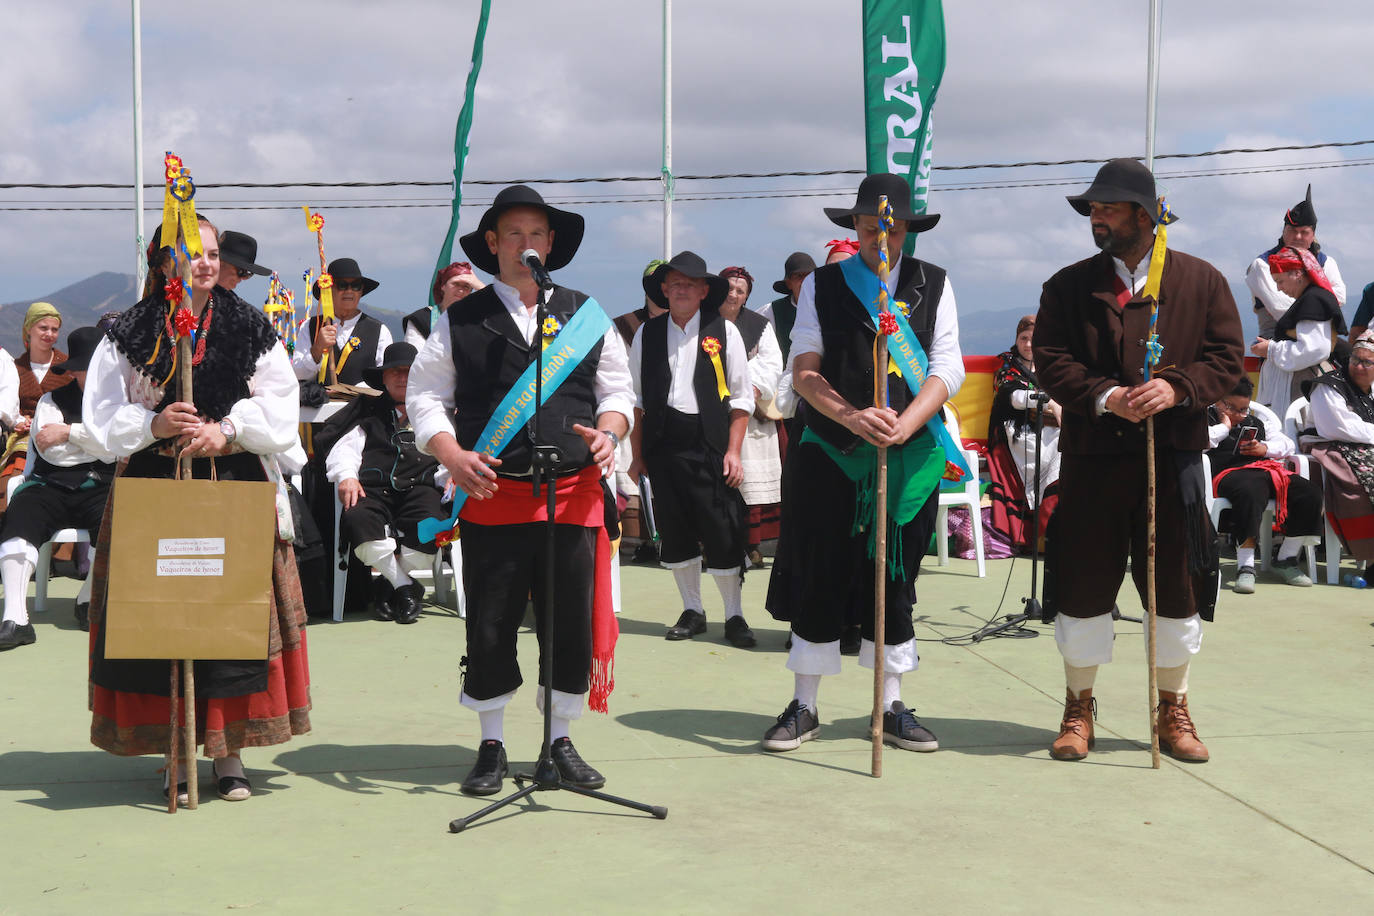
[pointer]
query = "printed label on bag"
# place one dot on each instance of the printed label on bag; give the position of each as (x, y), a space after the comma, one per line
(189, 547)
(195, 566)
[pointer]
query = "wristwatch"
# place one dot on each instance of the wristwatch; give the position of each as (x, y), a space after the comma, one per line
(226, 426)
(615, 440)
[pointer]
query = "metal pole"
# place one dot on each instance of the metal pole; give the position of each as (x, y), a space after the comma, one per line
(667, 129)
(1151, 85)
(140, 257)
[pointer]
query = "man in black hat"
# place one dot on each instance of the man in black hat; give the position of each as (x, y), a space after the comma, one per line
(357, 339)
(237, 254)
(473, 359)
(783, 311)
(67, 486)
(1091, 339)
(692, 408)
(386, 485)
(1299, 231)
(825, 563)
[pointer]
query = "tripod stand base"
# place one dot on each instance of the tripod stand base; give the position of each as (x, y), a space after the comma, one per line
(545, 778)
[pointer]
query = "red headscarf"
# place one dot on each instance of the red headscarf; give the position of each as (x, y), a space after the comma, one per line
(1286, 259)
(456, 269)
(740, 272)
(844, 246)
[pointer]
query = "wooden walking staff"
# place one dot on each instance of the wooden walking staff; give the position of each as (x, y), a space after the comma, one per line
(315, 223)
(880, 358)
(181, 232)
(1153, 350)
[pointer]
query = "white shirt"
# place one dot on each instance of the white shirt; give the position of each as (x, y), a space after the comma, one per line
(80, 447)
(765, 369)
(682, 362)
(118, 406)
(1260, 282)
(304, 363)
(1334, 419)
(946, 359)
(1280, 446)
(346, 458)
(433, 378)
(9, 389)
(40, 370)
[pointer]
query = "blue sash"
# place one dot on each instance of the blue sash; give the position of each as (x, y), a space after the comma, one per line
(565, 352)
(905, 350)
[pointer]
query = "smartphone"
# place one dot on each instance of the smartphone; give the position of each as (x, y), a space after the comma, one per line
(1247, 434)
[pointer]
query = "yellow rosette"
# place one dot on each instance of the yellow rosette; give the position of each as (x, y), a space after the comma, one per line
(550, 330)
(711, 347)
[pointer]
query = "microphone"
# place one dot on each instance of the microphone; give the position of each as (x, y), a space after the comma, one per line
(537, 269)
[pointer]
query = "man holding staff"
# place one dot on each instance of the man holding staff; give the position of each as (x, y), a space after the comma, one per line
(830, 550)
(1090, 346)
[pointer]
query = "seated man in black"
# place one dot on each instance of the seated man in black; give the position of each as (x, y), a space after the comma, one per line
(385, 484)
(67, 488)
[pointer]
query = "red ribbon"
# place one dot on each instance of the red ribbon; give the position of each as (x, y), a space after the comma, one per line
(887, 323)
(184, 322)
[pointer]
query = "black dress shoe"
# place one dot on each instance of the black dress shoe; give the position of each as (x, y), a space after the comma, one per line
(13, 635)
(82, 613)
(738, 634)
(574, 770)
(406, 602)
(691, 623)
(490, 769)
(381, 600)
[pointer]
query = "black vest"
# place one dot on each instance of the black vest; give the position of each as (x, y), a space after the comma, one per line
(490, 355)
(68, 400)
(655, 379)
(390, 457)
(847, 335)
(368, 330)
(420, 319)
(1225, 455)
(751, 326)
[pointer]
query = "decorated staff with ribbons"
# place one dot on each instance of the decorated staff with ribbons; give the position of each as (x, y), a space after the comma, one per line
(356, 339)
(244, 416)
(829, 540)
(1133, 334)
(693, 399)
(470, 400)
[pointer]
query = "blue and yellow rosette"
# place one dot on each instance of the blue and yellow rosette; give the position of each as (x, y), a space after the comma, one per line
(711, 347)
(550, 330)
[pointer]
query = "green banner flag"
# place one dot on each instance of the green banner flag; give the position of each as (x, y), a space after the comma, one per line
(460, 149)
(904, 61)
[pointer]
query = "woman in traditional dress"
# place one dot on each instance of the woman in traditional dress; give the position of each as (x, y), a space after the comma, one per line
(42, 325)
(1304, 336)
(1011, 443)
(1342, 411)
(244, 416)
(454, 282)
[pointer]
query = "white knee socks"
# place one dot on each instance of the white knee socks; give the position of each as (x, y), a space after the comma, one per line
(806, 689)
(15, 574)
(688, 579)
(493, 723)
(1079, 679)
(1173, 680)
(731, 586)
(381, 556)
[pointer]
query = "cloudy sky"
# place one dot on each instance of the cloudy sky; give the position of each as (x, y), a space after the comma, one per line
(347, 90)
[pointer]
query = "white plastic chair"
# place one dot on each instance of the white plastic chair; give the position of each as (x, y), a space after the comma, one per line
(967, 496)
(1294, 420)
(1265, 549)
(44, 567)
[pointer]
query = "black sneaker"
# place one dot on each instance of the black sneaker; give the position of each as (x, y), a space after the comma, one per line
(902, 729)
(490, 769)
(738, 634)
(797, 723)
(572, 767)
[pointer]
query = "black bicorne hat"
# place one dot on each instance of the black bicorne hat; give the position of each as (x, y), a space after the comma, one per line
(898, 197)
(567, 228)
(692, 265)
(1301, 213)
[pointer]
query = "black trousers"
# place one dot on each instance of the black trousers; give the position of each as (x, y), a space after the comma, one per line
(1250, 489)
(40, 510)
(697, 512)
(382, 509)
(503, 567)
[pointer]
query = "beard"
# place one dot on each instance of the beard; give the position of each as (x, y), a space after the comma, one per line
(1120, 242)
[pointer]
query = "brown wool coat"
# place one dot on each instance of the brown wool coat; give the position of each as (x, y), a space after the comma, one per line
(1084, 345)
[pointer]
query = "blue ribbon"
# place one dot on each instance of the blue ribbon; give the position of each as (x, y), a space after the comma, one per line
(906, 351)
(587, 326)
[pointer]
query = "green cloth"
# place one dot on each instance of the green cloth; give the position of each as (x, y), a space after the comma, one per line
(914, 471)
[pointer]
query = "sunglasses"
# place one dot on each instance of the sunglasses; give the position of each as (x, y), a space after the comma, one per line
(243, 274)
(349, 284)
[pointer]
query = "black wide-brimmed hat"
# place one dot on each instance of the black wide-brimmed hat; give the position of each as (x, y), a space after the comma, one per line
(241, 251)
(798, 262)
(81, 344)
(396, 356)
(1121, 180)
(690, 264)
(1301, 213)
(346, 269)
(567, 229)
(898, 197)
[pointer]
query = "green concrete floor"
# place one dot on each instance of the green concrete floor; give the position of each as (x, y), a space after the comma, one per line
(353, 817)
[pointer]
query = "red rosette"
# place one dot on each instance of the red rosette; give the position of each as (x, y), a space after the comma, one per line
(887, 323)
(184, 322)
(444, 538)
(174, 291)
(710, 345)
(316, 222)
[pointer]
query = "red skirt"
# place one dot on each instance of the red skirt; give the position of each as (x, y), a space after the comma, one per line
(764, 523)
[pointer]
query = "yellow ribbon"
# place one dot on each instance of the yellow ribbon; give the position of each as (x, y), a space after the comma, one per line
(1156, 273)
(711, 347)
(178, 206)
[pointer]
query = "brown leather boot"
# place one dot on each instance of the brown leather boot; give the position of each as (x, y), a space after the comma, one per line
(1177, 734)
(1076, 730)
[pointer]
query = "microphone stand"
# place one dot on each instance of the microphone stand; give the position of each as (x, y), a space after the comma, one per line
(544, 470)
(1033, 610)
